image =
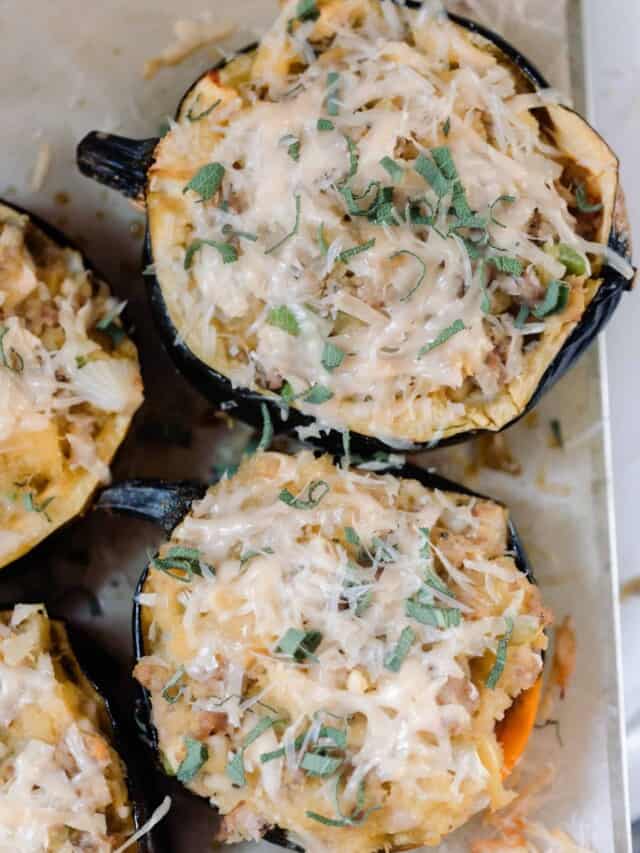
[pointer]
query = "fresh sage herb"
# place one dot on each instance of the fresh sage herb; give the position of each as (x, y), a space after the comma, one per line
(324, 125)
(299, 644)
(293, 146)
(522, 317)
(333, 93)
(81, 361)
(442, 338)
(235, 767)
(173, 690)
(193, 762)
(354, 157)
(394, 661)
(267, 428)
(428, 170)
(393, 169)
(284, 318)
(317, 394)
(207, 181)
(320, 765)
(332, 356)
(428, 614)
(503, 199)
(307, 10)
(229, 231)
(345, 257)
(357, 817)
(423, 272)
(181, 563)
(110, 327)
(501, 656)
(292, 233)
(316, 492)
(351, 536)
(507, 265)
(227, 252)
(446, 127)
(575, 263)
(31, 505)
(555, 299)
(582, 202)
(191, 116)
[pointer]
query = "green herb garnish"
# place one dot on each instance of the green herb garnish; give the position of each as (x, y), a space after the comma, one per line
(30, 504)
(345, 257)
(428, 170)
(575, 263)
(446, 127)
(299, 644)
(423, 272)
(229, 231)
(506, 199)
(555, 299)
(306, 10)
(501, 656)
(394, 661)
(393, 169)
(249, 555)
(235, 767)
(507, 265)
(320, 765)
(194, 760)
(284, 318)
(428, 614)
(181, 563)
(332, 356)
(109, 326)
(354, 157)
(522, 317)
(81, 361)
(442, 338)
(172, 691)
(317, 395)
(582, 202)
(357, 816)
(206, 181)
(351, 536)
(325, 124)
(425, 548)
(333, 93)
(293, 146)
(292, 233)
(227, 251)
(317, 491)
(191, 115)
(267, 428)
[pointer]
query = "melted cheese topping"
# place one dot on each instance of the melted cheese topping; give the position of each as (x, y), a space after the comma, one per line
(67, 390)
(394, 84)
(62, 785)
(421, 740)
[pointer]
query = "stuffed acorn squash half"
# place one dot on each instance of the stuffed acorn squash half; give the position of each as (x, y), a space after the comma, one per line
(64, 788)
(337, 659)
(69, 382)
(380, 221)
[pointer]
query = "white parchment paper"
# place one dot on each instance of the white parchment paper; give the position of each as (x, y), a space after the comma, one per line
(71, 66)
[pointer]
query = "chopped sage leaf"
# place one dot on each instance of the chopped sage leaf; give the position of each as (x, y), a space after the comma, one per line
(392, 168)
(322, 240)
(31, 505)
(235, 770)
(503, 199)
(582, 202)
(423, 272)
(284, 318)
(507, 265)
(194, 760)
(446, 127)
(320, 765)
(444, 161)
(317, 395)
(227, 251)
(394, 661)
(325, 124)
(354, 157)
(299, 644)
(346, 449)
(501, 656)
(333, 93)
(317, 491)
(442, 338)
(292, 233)
(229, 231)
(428, 170)
(172, 691)
(357, 816)
(555, 299)
(207, 181)
(293, 146)
(425, 548)
(523, 316)
(191, 116)
(110, 327)
(332, 356)
(307, 10)
(427, 614)
(267, 428)
(81, 361)
(235, 767)
(345, 257)
(181, 563)
(351, 536)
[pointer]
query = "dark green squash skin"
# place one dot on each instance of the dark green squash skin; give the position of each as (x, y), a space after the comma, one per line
(122, 164)
(100, 670)
(166, 504)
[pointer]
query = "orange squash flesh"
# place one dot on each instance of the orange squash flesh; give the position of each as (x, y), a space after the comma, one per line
(515, 730)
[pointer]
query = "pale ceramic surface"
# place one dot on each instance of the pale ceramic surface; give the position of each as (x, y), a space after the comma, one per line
(76, 71)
